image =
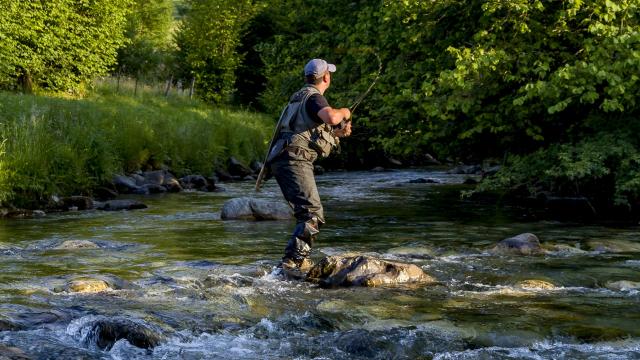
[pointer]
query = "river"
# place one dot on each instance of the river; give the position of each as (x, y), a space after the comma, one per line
(208, 286)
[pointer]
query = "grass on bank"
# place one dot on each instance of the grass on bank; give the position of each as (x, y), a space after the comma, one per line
(52, 145)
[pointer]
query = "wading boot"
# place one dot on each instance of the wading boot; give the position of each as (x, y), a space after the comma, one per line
(296, 262)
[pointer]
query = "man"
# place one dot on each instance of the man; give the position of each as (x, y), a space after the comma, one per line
(308, 129)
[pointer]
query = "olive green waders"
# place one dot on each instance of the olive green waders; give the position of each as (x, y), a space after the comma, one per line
(293, 171)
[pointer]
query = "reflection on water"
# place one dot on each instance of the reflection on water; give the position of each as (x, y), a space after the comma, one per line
(207, 286)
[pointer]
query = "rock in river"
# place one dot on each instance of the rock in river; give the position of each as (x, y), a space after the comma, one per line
(117, 205)
(623, 285)
(533, 284)
(104, 332)
(76, 244)
(255, 209)
(335, 271)
(12, 353)
(523, 244)
(87, 286)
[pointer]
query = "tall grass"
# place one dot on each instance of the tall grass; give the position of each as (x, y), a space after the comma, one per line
(71, 146)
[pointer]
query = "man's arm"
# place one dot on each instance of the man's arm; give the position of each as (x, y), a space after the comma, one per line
(333, 116)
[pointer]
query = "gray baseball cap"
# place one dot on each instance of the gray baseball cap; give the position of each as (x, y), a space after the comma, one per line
(317, 67)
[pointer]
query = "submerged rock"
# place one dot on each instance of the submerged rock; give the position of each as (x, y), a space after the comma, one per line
(614, 246)
(335, 271)
(117, 205)
(523, 244)
(76, 244)
(623, 285)
(104, 332)
(254, 209)
(415, 252)
(12, 353)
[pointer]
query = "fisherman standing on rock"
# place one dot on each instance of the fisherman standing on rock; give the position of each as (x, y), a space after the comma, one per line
(308, 129)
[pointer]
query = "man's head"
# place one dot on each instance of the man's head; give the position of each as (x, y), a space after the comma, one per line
(317, 72)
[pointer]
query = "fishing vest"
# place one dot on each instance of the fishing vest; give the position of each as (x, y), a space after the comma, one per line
(302, 129)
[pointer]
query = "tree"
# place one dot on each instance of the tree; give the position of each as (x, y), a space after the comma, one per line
(148, 33)
(58, 44)
(207, 43)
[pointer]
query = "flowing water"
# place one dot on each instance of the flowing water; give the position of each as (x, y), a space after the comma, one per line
(208, 286)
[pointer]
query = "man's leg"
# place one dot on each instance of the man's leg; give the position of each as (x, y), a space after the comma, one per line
(298, 186)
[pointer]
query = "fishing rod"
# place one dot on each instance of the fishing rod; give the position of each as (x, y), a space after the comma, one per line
(357, 102)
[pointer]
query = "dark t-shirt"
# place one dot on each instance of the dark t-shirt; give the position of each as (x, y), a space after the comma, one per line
(315, 103)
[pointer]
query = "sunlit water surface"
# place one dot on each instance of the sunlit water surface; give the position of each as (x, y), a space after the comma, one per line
(210, 288)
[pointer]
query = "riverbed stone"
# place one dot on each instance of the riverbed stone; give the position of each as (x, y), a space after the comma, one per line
(466, 169)
(534, 284)
(333, 271)
(423, 181)
(122, 204)
(12, 353)
(246, 208)
(85, 286)
(523, 244)
(107, 331)
(76, 244)
(623, 285)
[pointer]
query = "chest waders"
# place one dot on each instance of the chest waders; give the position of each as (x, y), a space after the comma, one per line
(299, 142)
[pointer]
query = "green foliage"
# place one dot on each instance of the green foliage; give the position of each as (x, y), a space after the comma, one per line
(148, 32)
(58, 44)
(477, 79)
(59, 146)
(207, 45)
(604, 167)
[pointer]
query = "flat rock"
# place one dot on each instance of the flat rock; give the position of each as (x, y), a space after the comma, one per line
(246, 208)
(623, 285)
(117, 205)
(523, 244)
(76, 244)
(415, 252)
(333, 271)
(87, 286)
(532, 284)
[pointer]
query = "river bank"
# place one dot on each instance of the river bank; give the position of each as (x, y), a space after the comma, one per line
(54, 146)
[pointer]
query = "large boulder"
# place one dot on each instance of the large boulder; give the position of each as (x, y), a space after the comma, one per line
(333, 271)
(523, 244)
(104, 332)
(246, 208)
(123, 204)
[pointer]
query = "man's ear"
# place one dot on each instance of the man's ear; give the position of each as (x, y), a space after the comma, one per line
(326, 77)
